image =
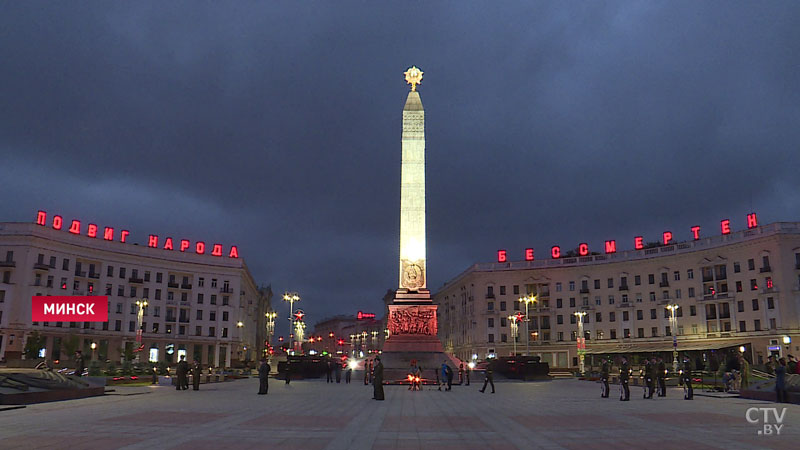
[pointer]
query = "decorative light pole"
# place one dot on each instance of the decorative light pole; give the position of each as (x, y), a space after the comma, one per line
(270, 326)
(673, 323)
(333, 342)
(514, 330)
(299, 329)
(139, 317)
(581, 340)
(94, 347)
(291, 297)
(528, 300)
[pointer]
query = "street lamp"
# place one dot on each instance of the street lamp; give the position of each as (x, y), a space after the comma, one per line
(270, 325)
(514, 329)
(581, 340)
(291, 297)
(528, 300)
(139, 317)
(94, 347)
(673, 320)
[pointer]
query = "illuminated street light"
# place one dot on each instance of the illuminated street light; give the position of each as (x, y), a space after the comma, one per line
(239, 324)
(270, 325)
(291, 297)
(94, 347)
(581, 339)
(673, 320)
(139, 317)
(528, 300)
(514, 329)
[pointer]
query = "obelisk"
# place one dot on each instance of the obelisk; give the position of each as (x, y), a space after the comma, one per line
(412, 321)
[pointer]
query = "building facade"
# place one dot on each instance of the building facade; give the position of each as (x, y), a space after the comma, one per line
(739, 290)
(198, 305)
(358, 335)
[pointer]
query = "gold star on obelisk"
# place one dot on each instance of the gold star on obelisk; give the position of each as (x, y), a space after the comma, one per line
(413, 77)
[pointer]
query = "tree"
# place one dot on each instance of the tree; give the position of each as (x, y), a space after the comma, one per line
(71, 345)
(33, 344)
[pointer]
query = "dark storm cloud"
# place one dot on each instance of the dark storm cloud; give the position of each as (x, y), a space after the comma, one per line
(277, 126)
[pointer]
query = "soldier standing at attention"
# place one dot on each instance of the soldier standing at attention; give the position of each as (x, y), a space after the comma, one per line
(182, 371)
(624, 379)
(79, 366)
(649, 378)
(196, 369)
(468, 369)
(377, 380)
(288, 371)
(661, 376)
(489, 377)
(461, 373)
(263, 377)
(686, 377)
(604, 378)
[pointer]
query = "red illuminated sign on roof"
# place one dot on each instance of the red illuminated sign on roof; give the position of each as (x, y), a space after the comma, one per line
(363, 315)
(93, 231)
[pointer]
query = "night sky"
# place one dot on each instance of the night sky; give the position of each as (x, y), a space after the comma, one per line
(276, 126)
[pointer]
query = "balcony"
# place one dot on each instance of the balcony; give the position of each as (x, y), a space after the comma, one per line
(623, 287)
(708, 278)
(172, 319)
(94, 275)
(41, 266)
(663, 284)
(624, 305)
(171, 302)
(80, 274)
(765, 269)
(135, 280)
(230, 291)
(172, 285)
(186, 286)
(184, 320)
(8, 264)
(584, 290)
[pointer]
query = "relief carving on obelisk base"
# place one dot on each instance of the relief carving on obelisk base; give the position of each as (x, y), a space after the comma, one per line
(407, 319)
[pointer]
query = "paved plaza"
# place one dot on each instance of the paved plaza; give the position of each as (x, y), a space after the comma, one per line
(311, 415)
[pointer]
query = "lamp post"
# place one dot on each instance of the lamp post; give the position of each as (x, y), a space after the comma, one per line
(270, 326)
(333, 342)
(291, 297)
(139, 317)
(514, 330)
(673, 320)
(528, 300)
(581, 340)
(94, 347)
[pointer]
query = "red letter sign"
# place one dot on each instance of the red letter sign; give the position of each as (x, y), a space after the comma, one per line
(216, 250)
(57, 222)
(725, 225)
(501, 256)
(108, 234)
(637, 243)
(168, 244)
(696, 232)
(123, 235)
(234, 252)
(667, 237)
(752, 221)
(200, 248)
(41, 217)
(528, 254)
(152, 241)
(184, 245)
(92, 231)
(75, 228)
(555, 252)
(611, 246)
(583, 249)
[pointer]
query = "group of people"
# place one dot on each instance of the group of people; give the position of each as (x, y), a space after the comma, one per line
(334, 370)
(782, 368)
(653, 374)
(182, 371)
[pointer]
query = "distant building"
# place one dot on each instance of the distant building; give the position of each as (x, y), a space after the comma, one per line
(739, 289)
(199, 305)
(359, 333)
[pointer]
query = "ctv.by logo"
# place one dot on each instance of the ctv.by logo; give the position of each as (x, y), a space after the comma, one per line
(753, 416)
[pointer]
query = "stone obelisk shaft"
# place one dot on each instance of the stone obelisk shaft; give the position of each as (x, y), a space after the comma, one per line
(412, 197)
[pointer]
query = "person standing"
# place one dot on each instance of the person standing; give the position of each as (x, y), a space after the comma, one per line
(467, 370)
(443, 376)
(780, 381)
(686, 377)
(649, 378)
(661, 376)
(449, 373)
(337, 367)
(624, 379)
(791, 364)
(744, 366)
(196, 370)
(488, 376)
(182, 374)
(461, 373)
(377, 380)
(288, 371)
(79, 365)
(329, 372)
(604, 371)
(263, 377)
(348, 373)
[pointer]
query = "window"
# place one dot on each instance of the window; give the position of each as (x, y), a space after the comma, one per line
(639, 314)
(224, 316)
(201, 282)
(768, 282)
(159, 277)
(572, 302)
(157, 311)
(651, 278)
(133, 308)
(598, 317)
(613, 333)
(597, 284)
(638, 297)
(652, 296)
(184, 296)
(170, 295)
(610, 283)
(572, 319)
(65, 264)
(118, 325)
(155, 328)
(559, 319)
(738, 286)
(653, 314)
(489, 291)
(560, 335)
(665, 295)
(122, 272)
(213, 299)
(691, 292)
(502, 290)
(158, 294)
(7, 279)
(692, 310)
(625, 316)
(199, 299)
(119, 308)
(9, 256)
(637, 280)
(623, 282)
(740, 306)
(213, 282)
(751, 264)
(640, 332)
(753, 285)
(490, 306)
(690, 274)
(677, 293)
(770, 303)
(597, 300)
(558, 288)
(571, 286)
(110, 271)
(212, 331)
(131, 326)
(52, 262)
(133, 291)
(676, 276)
(503, 322)
(742, 325)
(200, 314)
(146, 292)
(558, 303)
(490, 323)
(182, 329)
(757, 325)
(772, 324)
(624, 298)
(736, 268)
(610, 299)
(612, 317)
(755, 304)
(120, 291)
(626, 333)
(226, 299)
(198, 330)
(212, 315)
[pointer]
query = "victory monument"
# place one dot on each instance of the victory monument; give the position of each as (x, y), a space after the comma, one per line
(412, 319)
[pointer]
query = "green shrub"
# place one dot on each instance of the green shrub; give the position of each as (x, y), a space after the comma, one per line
(127, 368)
(95, 368)
(111, 369)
